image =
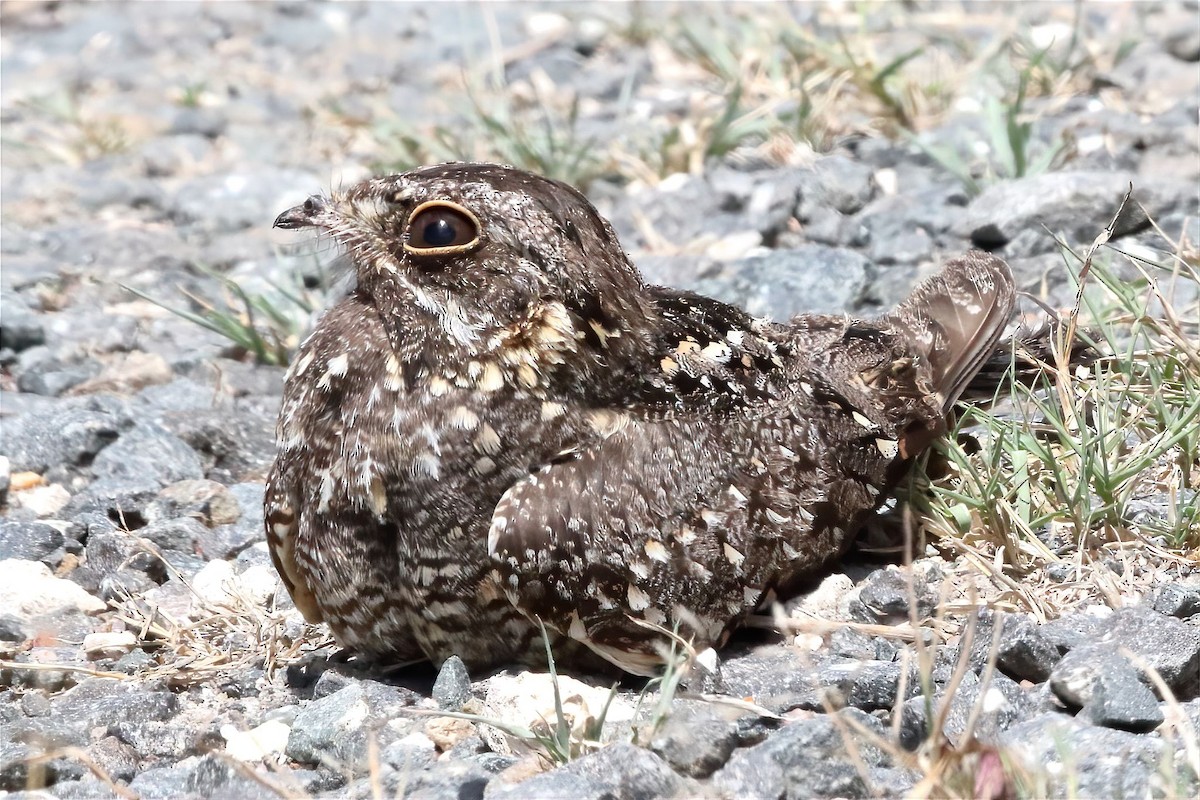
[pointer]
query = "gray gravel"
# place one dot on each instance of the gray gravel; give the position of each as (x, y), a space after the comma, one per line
(144, 639)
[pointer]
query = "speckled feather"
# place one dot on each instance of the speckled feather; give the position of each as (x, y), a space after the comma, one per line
(518, 428)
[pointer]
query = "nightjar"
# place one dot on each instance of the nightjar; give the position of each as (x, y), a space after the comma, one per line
(503, 424)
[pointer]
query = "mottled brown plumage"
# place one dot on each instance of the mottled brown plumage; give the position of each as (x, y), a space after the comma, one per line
(502, 423)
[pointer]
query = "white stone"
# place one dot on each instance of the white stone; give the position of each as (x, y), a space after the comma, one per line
(824, 602)
(267, 739)
(44, 500)
(27, 589)
(527, 700)
(258, 583)
(213, 582)
(109, 644)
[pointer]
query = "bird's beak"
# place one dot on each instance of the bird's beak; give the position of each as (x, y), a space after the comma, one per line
(304, 215)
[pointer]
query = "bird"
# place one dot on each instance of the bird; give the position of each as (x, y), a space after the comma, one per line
(502, 431)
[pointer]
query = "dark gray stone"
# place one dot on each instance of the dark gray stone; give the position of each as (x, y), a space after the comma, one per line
(338, 728)
(1073, 629)
(1178, 600)
(805, 758)
(629, 772)
(199, 777)
(1000, 705)
(1023, 652)
(1107, 688)
(1011, 214)
(778, 680)
(1078, 760)
(148, 452)
(444, 780)
(553, 785)
(852, 643)
(1121, 700)
(452, 688)
(116, 758)
(884, 597)
(840, 183)
(782, 283)
(70, 433)
(182, 534)
(31, 541)
(20, 327)
(43, 373)
(1169, 646)
(100, 702)
(866, 685)
(697, 738)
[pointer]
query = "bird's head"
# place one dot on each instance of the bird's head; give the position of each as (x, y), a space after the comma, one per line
(476, 246)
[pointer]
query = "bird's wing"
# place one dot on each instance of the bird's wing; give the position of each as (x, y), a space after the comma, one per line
(691, 520)
(590, 543)
(709, 357)
(282, 523)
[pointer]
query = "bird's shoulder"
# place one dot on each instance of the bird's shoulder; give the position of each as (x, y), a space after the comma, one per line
(709, 356)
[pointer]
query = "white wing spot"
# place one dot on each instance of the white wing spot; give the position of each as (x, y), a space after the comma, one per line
(339, 365)
(888, 447)
(491, 378)
(655, 550)
(638, 600)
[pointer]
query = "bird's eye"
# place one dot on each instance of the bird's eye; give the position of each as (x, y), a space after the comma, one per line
(439, 228)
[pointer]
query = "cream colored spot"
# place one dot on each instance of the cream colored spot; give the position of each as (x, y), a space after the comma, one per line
(379, 501)
(806, 387)
(638, 600)
(606, 423)
(732, 555)
(655, 616)
(577, 630)
(862, 420)
(717, 351)
(491, 378)
(750, 596)
(487, 440)
(710, 517)
(775, 517)
(736, 337)
(484, 465)
(463, 418)
(684, 535)
(438, 386)
(655, 550)
(552, 410)
(301, 365)
(339, 365)
(888, 447)
(427, 463)
(527, 375)
(602, 333)
(640, 569)
(669, 366)
(687, 346)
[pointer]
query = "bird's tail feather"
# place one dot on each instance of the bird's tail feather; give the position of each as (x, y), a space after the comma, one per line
(955, 320)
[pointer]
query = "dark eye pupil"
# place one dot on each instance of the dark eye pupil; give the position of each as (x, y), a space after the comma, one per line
(438, 233)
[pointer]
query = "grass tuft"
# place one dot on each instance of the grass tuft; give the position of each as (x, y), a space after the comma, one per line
(1083, 485)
